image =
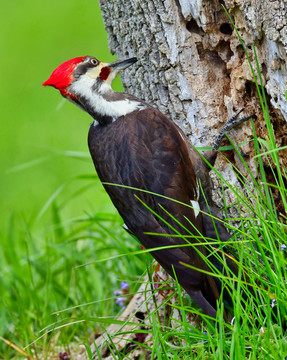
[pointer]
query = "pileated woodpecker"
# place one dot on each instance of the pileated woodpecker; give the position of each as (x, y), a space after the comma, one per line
(155, 173)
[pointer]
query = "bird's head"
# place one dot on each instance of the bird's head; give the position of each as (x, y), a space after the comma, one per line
(75, 77)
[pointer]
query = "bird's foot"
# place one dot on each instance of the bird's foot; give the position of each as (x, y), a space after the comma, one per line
(230, 124)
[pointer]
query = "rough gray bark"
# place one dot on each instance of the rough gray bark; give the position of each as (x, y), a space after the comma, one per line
(193, 68)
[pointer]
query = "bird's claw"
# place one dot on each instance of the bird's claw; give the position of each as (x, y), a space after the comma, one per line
(230, 124)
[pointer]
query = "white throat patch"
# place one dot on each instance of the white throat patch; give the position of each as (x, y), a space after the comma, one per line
(114, 109)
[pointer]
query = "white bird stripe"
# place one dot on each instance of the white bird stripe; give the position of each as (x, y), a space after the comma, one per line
(196, 207)
(114, 109)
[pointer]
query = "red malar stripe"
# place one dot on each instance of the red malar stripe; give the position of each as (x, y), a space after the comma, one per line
(105, 72)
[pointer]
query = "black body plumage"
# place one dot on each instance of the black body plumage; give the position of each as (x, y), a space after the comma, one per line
(134, 146)
(145, 150)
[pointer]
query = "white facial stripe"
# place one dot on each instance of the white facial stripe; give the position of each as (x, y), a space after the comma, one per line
(114, 109)
(94, 72)
(196, 207)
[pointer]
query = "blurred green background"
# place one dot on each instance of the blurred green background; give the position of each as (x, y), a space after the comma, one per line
(54, 214)
(37, 124)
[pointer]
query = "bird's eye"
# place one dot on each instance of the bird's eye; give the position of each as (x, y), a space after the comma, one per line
(94, 61)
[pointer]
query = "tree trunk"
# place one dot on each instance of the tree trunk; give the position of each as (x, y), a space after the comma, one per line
(192, 66)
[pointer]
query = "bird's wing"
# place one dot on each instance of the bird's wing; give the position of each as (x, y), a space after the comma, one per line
(148, 152)
(163, 164)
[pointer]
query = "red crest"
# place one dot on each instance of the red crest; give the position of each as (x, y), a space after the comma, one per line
(62, 77)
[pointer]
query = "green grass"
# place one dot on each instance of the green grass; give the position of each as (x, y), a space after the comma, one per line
(56, 217)
(44, 285)
(52, 218)
(259, 243)
(257, 331)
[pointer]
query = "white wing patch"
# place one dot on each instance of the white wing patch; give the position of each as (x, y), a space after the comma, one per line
(196, 207)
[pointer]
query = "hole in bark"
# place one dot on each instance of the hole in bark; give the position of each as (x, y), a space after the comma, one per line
(192, 27)
(249, 88)
(224, 51)
(226, 29)
(264, 70)
(215, 58)
(240, 51)
(210, 56)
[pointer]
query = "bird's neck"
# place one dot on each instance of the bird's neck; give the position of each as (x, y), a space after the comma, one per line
(102, 102)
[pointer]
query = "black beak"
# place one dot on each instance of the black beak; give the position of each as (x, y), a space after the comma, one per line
(122, 64)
